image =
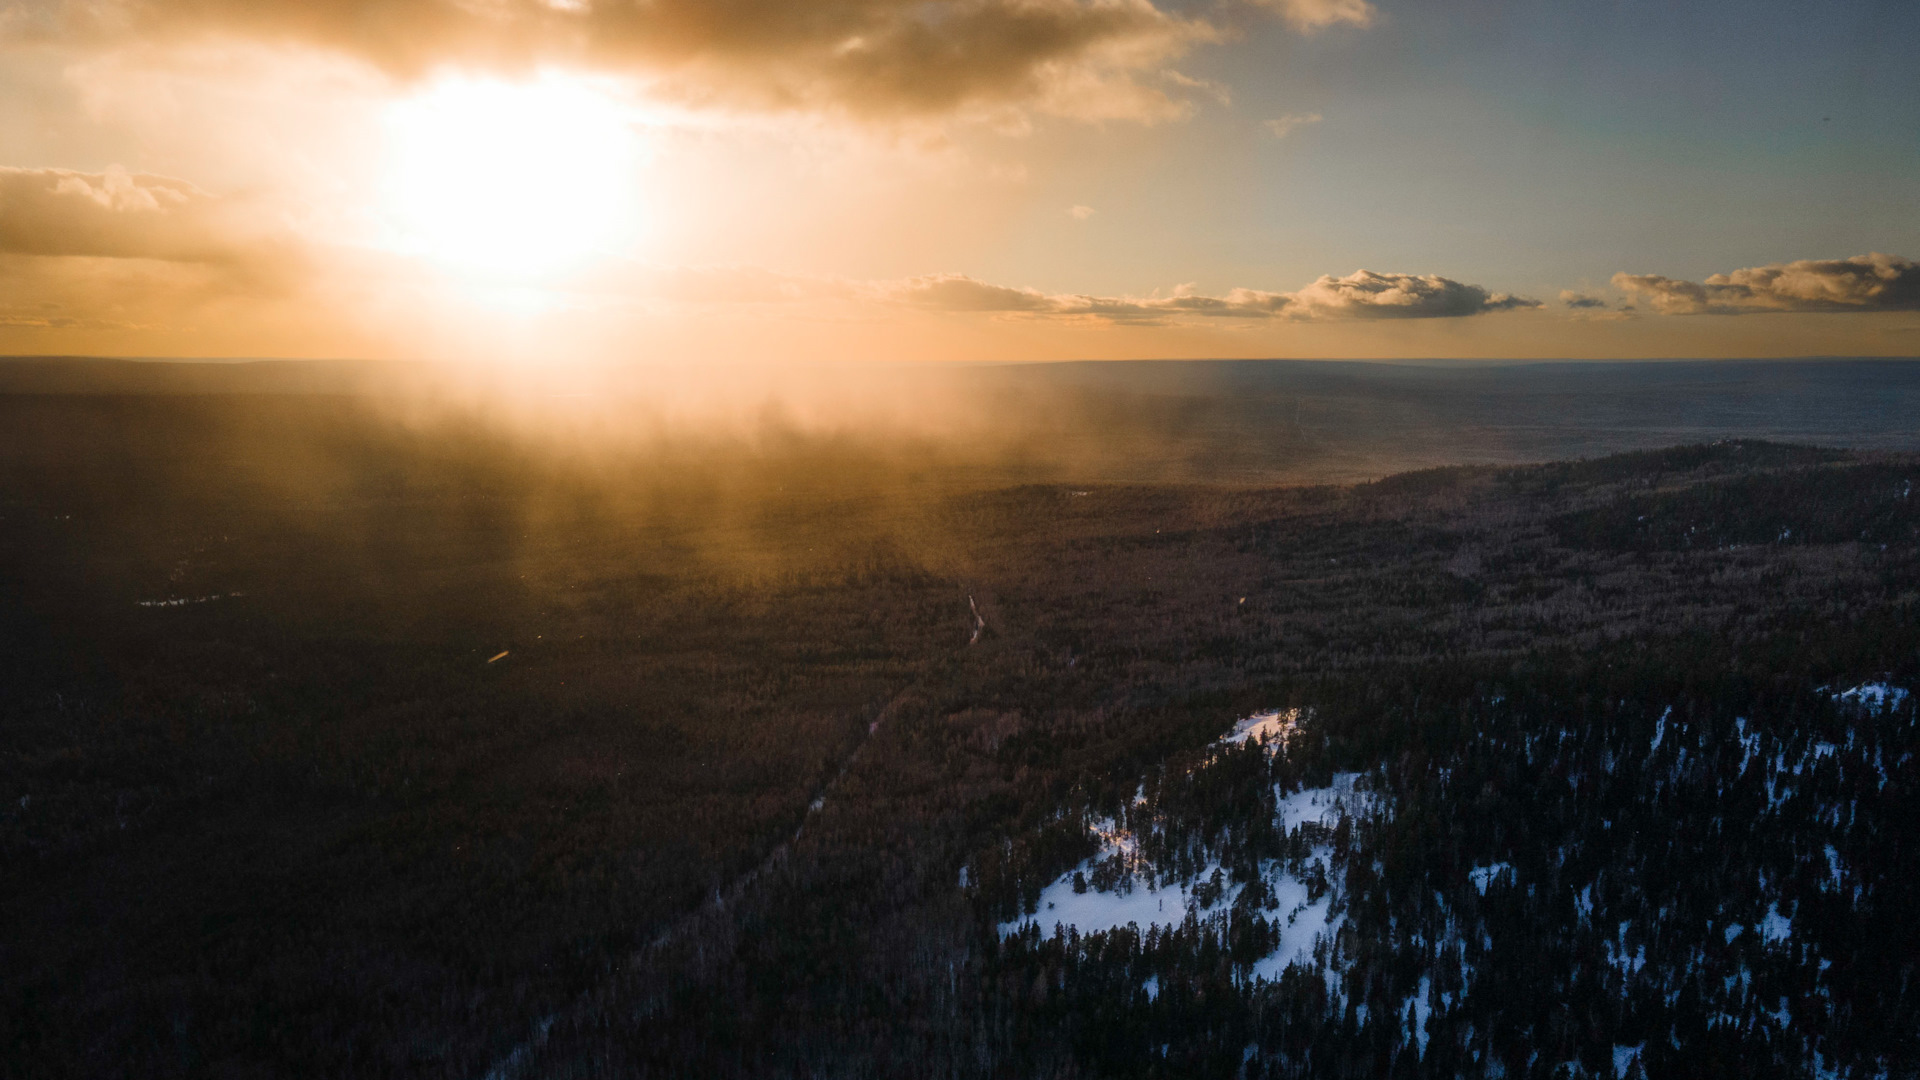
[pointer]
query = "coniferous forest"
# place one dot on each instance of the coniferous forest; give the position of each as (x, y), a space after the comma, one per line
(346, 743)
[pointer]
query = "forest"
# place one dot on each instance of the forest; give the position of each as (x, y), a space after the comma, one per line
(349, 741)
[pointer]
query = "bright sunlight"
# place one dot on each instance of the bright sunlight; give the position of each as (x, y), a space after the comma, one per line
(512, 179)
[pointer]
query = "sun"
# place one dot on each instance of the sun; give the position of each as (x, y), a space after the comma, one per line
(516, 180)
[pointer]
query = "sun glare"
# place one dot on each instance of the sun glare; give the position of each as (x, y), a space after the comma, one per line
(515, 180)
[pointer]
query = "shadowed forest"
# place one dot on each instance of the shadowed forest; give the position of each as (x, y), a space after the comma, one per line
(348, 738)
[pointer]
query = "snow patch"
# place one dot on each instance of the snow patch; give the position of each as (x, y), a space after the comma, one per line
(1303, 924)
(1775, 928)
(1342, 798)
(1094, 912)
(1484, 876)
(1422, 1011)
(1301, 918)
(1877, 696)
(1269, 727)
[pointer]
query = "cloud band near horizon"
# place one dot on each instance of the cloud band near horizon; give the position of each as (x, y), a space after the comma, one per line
(1363, 294)
(116, 214)
(1862, 283)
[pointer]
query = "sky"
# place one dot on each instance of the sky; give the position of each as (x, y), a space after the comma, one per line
(684, 182)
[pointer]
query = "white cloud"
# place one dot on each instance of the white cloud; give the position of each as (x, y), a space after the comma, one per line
(120, 215)
(1363, 294)
(1308, 16)
(1873, 282)
(1283, 125)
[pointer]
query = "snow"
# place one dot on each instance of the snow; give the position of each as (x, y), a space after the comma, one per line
(1627, 963)
(1733, 932)
(1339, 799)
(1484, 876)
(1301, 920)
(1272, 727)
(1422, 1010)
(1660, 733)
(1094, 912)
(1749, 743)
(1303, 925)
(1874, 695)
(1775, 927)
(1623, 1058)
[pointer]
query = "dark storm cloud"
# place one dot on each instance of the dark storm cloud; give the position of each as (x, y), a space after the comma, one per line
(1580, 301)
(866, 57)
(1873, 282)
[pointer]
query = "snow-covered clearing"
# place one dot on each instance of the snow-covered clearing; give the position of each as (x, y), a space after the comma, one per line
(1143, 901)
(1271, 727)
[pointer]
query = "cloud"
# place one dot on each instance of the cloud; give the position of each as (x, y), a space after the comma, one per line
(1580, 301)
(1281, 126)
(126, 252)
(958, 292)
(1363, 294)
(1081, 213)
(226, 246)
(1218, 91)
(1308, 16)
(1099, 59)
(1873, 282)
(115, 214)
